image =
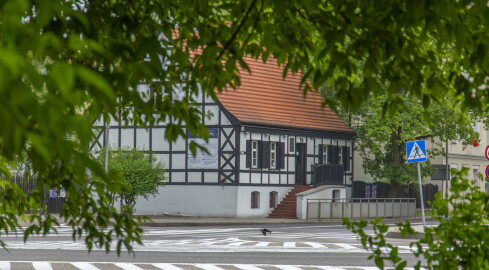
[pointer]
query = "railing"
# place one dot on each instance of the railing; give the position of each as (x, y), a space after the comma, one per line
(327, 174)
(361, 208)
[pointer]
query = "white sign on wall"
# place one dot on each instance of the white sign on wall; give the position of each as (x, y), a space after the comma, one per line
(203, 160)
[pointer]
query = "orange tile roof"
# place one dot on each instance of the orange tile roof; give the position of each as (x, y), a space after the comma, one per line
(266, 98)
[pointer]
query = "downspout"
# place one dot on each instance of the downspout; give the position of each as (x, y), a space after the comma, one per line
(352, 164)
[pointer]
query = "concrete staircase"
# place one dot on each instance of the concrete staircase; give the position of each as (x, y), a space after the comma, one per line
(287, 207)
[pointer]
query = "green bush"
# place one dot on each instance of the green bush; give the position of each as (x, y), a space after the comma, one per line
(140, 173)
(458, 242)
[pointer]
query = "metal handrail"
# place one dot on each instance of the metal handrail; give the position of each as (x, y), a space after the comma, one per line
(361, 201)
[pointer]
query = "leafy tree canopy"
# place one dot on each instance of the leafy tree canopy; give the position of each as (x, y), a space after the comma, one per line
(381, 139)
(64, 63)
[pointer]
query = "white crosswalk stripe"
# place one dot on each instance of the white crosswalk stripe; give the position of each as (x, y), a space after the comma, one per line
(4, 266)
(170, 266)
(42, 266)
(167, 266)
(128, 266)
(84, 266)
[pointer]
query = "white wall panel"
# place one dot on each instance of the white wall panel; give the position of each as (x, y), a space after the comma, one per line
(244, 178)
(179, 144)
(208, 99)
(142, 139)
(178, 177)
(113, 137)
(255, 178)
(274, 179)
(194, 177)
(292, 179)
(255, 136)
(127, 137)
(211, 115)
(242, 162)
(310, 161)
(283, 179)
(178, 161)
(291, 164)
(159, 141)
(211, 177)
(224, 119)
(310, 146)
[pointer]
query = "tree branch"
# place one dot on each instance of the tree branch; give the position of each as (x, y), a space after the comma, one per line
(235, 34)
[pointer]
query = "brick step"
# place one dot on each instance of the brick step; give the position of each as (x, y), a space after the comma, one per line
(282, 216)
(287, 207)
(290, 213)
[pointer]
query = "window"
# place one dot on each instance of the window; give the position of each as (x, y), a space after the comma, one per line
(254, 154)
(291, 145)
(325, 154)
(255, 200)
(273, 155)
(273, 199)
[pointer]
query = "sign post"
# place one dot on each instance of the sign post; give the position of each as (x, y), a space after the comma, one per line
(416, 152)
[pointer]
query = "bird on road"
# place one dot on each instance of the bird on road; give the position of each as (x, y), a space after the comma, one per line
(265, 231)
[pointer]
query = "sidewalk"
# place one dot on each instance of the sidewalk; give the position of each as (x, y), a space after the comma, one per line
(174, 221)
(177, 221)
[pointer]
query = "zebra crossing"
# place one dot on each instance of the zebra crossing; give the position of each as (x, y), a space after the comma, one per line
(216, 233)
(42, 265)
(208, 245)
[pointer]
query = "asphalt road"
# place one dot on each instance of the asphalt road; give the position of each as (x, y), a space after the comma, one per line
(294, 245)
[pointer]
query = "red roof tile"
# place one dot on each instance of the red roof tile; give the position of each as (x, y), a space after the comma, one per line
(265, 98)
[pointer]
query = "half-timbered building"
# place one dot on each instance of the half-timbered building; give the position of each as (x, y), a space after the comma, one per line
(266, 141)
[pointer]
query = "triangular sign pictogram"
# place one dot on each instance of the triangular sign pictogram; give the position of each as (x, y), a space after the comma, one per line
(416, 152)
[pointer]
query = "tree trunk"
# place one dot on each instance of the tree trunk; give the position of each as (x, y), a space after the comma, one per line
(396, 156)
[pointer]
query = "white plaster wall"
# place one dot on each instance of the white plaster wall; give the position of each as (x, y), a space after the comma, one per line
(324, 192)
(244, 209)
(191, 200)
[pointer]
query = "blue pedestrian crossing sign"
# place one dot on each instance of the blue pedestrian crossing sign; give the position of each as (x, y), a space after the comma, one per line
(416, 151)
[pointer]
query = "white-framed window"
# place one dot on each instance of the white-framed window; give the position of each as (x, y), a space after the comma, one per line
(325, 154)
(254, 154)
(292, 145)
(273, 155)
(340, 155)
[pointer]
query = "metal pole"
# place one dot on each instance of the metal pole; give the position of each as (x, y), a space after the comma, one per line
(447, 176)
(106, 138)
(421, 196)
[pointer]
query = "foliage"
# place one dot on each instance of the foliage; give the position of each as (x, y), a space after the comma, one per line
(65, 63)
(381, 138)
(458, 242)
(141, 173)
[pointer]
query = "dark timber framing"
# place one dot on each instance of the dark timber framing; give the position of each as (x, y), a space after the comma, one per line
(229, 166)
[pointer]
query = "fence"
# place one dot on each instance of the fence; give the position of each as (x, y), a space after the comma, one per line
(381, 190)
(327, 174)
(361, 208)
(53, 202)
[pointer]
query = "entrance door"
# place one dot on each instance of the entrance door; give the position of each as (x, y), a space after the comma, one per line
(300, 163)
